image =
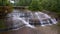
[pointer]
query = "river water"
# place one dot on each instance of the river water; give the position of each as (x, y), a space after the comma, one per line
(22, 18)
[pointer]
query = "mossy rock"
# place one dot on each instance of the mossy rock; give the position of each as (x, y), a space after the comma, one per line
(4, 10)
(2, 24)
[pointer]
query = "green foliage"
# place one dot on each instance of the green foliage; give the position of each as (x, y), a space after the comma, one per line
(23, 3)
(35, 5)
(2, 24)
(5, 6)
(51, 5)
(1, 2)
(4, 3)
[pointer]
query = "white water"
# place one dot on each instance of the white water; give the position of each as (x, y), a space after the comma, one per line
(23, 21)
(11, 1)
(39, 15)
(17, 17)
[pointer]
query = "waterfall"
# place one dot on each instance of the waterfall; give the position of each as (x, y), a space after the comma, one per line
(26, 23)
(16, 17)
(21, 18)
(36, 13)
(42, 16)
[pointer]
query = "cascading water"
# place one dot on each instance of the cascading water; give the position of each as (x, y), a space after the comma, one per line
(11, 1)
(18, 19)
(48, 20)
(39, 18)
(42, 17)
(26, 23)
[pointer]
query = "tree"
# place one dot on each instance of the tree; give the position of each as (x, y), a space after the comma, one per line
(23, 3)
(4, 2)
(5, 8)
(51, 5)
(35, 5)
